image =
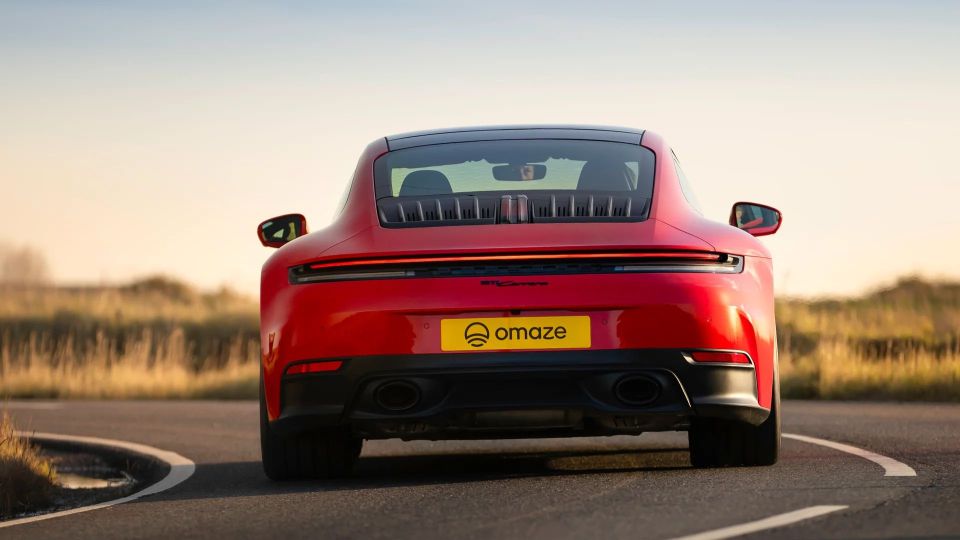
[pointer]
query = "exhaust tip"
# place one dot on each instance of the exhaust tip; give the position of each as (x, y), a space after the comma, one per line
(637, 390)
(397, 396)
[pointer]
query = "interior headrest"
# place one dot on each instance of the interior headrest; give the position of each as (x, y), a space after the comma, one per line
(425, 183)
(606, 176)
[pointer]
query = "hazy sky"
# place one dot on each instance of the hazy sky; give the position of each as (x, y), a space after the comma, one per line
(141, 137)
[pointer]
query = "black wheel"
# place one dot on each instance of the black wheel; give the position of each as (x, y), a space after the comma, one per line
(321, 454)
(727, 443)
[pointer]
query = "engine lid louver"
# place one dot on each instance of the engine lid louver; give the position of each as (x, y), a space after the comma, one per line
(452, 210)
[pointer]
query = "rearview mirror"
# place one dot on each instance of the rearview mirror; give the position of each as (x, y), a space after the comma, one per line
(524, 171)
(756, 219)
(277, 231)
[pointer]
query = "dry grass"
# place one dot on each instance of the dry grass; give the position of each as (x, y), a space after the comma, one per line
(156, 338)
(836, 371)
(130, 378)
(901, 342)
(26, 478)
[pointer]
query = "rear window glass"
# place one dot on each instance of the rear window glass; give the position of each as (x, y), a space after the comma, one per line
(510, 166)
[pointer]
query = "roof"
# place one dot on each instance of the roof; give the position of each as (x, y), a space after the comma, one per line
(532, 131)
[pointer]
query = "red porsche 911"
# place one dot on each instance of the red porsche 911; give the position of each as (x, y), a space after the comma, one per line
(517, 281)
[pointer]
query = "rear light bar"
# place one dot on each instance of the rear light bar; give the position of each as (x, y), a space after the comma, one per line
(691, 255)
(314, 367)
(718, 357)
(514, 265)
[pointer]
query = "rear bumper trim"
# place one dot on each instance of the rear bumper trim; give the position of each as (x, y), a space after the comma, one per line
(459, 393)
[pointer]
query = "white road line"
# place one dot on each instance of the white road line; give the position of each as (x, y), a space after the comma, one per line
(181, 468)
(772, 522)
(891, 467)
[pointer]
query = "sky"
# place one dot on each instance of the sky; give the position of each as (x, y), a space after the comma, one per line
(151, 137)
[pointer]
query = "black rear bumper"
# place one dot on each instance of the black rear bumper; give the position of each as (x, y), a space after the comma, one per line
(522, 394)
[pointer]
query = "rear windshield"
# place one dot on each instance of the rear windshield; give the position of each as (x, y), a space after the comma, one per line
(515, 165)
(510, 181)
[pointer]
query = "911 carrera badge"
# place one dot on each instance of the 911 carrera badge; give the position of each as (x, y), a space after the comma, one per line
(511, 283)
(506, 333)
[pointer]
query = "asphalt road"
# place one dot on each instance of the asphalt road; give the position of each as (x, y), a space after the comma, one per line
(617, 487)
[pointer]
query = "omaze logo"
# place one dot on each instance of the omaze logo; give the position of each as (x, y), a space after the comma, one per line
(476, 334)
(515, 333)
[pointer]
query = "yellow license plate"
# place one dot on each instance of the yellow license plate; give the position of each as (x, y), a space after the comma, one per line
(500, 333)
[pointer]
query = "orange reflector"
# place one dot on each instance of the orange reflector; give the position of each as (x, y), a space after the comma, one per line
(720, 357)
(314, 367)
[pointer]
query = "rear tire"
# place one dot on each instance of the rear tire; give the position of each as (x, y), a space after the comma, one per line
(728, 443)
(328, 453)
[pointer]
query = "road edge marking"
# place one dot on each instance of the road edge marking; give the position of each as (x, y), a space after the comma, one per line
(181, 469)
(772, 522)
(891, 467)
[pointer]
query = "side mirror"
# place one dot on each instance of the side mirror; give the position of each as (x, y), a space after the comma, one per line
(756, 219)
(277, 231)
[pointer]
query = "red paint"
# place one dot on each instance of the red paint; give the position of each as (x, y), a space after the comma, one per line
(354, 319)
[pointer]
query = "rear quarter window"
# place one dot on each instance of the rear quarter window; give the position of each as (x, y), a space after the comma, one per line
(685, 186)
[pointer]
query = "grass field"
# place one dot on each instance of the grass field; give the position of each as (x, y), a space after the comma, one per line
(159, 338)
(155, 338)
(26, 478)
(900, 342)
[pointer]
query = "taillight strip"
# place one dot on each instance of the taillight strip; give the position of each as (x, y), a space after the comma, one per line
(531, 257)
(517, 265)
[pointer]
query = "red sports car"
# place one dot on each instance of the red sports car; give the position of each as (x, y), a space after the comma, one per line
(517, 281)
